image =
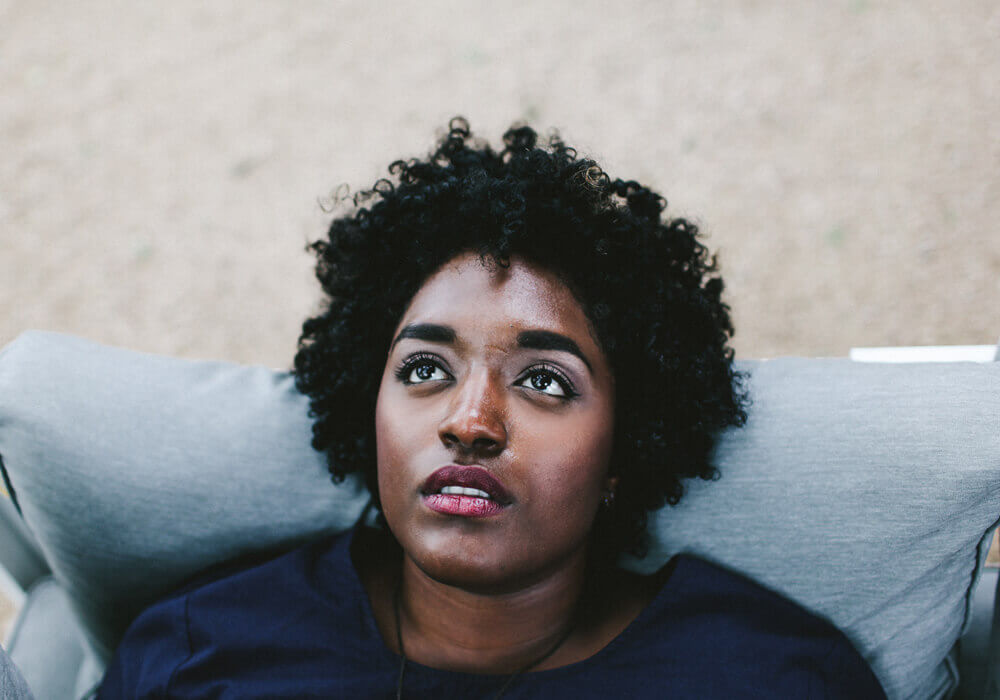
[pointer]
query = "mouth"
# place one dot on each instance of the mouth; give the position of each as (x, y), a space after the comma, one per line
(464, 491)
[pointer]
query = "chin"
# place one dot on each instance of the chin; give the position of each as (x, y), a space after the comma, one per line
(463, 565)
(484, 568)
(466, 575)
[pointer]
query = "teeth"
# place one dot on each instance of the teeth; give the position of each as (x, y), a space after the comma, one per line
(463, 491)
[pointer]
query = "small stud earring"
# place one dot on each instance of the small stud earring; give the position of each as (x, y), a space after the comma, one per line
(609, 499)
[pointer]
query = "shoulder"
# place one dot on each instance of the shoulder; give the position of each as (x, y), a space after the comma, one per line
(222, 604)
(700, 590)
(705, 587)
(154, 645)
(715, 623)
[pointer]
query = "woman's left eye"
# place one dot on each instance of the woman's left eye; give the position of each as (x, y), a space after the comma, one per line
(547, 382)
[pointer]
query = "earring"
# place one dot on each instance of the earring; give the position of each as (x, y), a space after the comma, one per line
(608, 500)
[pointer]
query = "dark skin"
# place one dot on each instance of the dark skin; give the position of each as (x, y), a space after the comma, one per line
(467, 382)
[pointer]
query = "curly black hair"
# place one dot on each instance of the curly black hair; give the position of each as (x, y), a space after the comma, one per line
(645, 282)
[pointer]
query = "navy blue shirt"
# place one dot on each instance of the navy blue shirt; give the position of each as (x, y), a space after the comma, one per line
(301, 626)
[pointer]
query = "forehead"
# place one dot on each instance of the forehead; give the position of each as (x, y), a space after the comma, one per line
(473, 298)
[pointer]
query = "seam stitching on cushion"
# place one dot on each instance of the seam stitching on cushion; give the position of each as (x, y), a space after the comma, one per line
(9, 487)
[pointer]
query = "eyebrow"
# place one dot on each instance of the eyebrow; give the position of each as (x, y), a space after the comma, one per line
(547, 340)
(430, 332)
(536, 339)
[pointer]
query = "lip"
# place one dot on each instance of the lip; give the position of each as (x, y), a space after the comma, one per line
(469, 477)
(463, 506)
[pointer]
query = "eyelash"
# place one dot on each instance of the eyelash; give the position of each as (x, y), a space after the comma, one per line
(407, 366)
(556, 374)
(410, 363)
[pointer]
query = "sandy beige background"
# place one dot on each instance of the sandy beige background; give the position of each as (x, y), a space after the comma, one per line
(161, 162)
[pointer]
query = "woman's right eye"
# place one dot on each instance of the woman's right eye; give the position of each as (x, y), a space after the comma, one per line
(420, 371)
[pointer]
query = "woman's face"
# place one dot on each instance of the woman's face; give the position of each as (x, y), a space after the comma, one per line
(494, 426)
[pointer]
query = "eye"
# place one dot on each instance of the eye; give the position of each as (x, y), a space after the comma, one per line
(548, 381)
(425, 372)
(420, 369)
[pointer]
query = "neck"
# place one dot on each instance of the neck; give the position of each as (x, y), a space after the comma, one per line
(451, 627)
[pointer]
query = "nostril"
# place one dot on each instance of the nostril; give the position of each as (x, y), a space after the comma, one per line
(478, 444)
(485, 444)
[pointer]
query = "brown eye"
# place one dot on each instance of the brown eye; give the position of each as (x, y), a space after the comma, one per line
(421, 368)
(548, 383)
(541, 381)
(425, 372)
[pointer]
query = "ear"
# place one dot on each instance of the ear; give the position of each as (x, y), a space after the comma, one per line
(610, 484)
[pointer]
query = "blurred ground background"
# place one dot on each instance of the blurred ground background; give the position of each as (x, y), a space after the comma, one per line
(161, 163)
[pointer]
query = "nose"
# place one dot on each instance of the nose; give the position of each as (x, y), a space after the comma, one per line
(475, 421)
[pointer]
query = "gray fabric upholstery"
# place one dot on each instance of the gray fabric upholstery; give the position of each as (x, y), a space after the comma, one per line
(18, 550)
(135, 471)
(864, 492)
(51, 648)
(46, 643)
(12, 683)
(884, 480)
(980, 657)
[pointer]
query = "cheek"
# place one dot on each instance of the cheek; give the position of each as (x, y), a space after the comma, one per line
(389, 441)
(403, 437)
(577, 457)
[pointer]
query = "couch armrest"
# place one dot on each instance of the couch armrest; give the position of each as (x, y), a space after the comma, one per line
(975, 656)
(47, 644)
(992, 691)
(979, 647)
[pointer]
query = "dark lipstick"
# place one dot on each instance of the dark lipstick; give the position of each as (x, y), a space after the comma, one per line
(469, 477)
(468, 505)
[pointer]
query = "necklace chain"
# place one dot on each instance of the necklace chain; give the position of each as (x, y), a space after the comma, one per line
(397, 594)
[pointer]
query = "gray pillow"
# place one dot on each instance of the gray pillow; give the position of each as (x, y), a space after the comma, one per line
(135, 471)
(864, 492)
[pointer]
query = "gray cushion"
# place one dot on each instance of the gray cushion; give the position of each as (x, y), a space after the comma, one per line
(864, 492)
(135, 471)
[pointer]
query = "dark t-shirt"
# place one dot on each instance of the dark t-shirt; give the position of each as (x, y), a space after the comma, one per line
(301, 626)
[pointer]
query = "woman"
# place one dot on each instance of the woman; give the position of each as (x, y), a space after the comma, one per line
(523, 359)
